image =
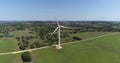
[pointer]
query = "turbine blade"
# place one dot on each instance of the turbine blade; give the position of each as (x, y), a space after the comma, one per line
(54, 31)
(64, 26)
(57, 21)
(69, 27)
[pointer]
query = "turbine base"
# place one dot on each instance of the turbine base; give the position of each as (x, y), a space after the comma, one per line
(58, 47)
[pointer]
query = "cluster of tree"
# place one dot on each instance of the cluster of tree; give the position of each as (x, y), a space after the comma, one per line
(26, 57)
(84, 26)
(35, 45)
(24, 41)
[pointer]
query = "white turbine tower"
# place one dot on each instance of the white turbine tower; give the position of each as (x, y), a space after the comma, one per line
(58, 29)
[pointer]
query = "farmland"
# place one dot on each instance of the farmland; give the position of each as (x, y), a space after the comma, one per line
(7, 45)
(101, 49)
(32, 35)
(59, 31)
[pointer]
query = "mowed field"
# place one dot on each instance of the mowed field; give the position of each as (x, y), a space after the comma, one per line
(101, 50)
(7, 45)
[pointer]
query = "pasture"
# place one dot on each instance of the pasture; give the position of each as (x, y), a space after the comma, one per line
(100, 50)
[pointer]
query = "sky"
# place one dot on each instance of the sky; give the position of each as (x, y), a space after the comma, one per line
(108, 10)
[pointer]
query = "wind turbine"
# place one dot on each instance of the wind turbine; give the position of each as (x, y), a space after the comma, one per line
(58, 29)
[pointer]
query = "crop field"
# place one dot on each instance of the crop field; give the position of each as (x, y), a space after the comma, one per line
(100, 50)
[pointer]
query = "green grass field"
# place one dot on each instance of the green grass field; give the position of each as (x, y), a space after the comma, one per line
(7, 59)
(101, 50)
(84, 35)
(7, 45)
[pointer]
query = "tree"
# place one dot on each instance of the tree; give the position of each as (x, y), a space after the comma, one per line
(26, 57)
(22, 47)
(32, 46)
(76, 38)
(18, 38)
